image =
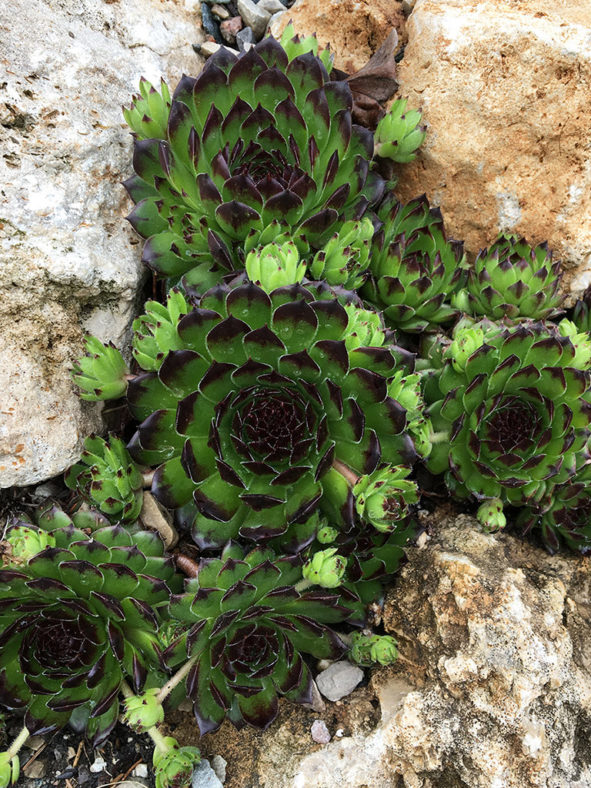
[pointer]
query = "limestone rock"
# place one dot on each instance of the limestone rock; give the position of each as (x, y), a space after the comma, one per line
(339, 679)
(505, 88)
(69, 261)
(353, 28)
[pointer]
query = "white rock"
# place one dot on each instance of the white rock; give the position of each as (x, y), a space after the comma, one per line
(254, 17)
(219, 766)
(141, 770)
(68, 259)
(339, 680)
(98, 765)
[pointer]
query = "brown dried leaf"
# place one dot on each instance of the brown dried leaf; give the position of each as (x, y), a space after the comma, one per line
(377, 78)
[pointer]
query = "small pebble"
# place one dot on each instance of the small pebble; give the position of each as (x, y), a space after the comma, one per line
(220, 11)
(320, 732)
(207, 49)
(244, 39)
(230, 27)
(254, 17)
(34, 742)
(339, 733)
(219, 767)
(71, 753)
(98, 765)
(275, 18)
(209, 24)
(339, 680)
(272, 6)
(141, 770)
(205, 777)
(36, 770)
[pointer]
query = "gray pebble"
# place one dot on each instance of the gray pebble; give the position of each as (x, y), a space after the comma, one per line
(205, 777)
(243, 37)
(220, 11)
(209, 24)
(219, 767)
(339, 680)
(272, 6)
(254, 17)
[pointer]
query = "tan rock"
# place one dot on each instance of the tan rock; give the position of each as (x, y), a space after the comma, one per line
(353, 28)
(505, 88)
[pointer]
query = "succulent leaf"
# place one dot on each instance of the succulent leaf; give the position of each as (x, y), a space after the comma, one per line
(101, 373)
(398, 134)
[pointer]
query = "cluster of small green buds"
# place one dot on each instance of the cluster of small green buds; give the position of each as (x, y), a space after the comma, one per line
(148, 115)
(101, 373)
(365, 328)
(366, 650)
(326, 568)
(345, 257)
(275, 265)
(173, 764)
(143, 711)
(9, 769)
(398, 135)
(108, 478)
(490, 515)
(27, 541)
(327, 534)
(581, 340)
(466, 341)
(155, 332)
(382, 498)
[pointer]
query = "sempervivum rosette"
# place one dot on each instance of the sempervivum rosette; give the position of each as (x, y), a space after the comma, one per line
(249, 627)
(76, 620)
(415, 269)
(247, 419)
(511, 279)
(513, 414)
(255, 142)
(564, 514)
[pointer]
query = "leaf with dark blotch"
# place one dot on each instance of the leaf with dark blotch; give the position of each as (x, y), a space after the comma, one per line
(106, 702)
(271, 51)
(184, 89)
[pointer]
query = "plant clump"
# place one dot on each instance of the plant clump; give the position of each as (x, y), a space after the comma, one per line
(317, 360)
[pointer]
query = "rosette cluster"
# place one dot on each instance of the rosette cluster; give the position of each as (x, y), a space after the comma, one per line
(78, 618)
(255, 145)
(249, 628)
(246, 419)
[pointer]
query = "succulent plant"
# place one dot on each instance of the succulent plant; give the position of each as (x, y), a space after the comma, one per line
(275, 265)
(254, 140)
(155, 334)
(512, 280)
(398, 134)
(9, 769)
(144, 710)
(245, 421)
(366, 328)
(101, 373)
(582, 312)
(581, 341)
(490, 514)
(26, 541)
(344, 258)
(383, 498)
(77, 619)
(249, 628)
(512, 417)
(50, 516)
(173, 764)
(108, 478)
(325, 568)
(149, 111)
(564, 514)
(415, 269)
(366, 650)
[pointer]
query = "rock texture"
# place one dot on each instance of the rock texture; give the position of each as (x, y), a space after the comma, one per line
(505, 88)
(68, 260)
(353, 28)
(493, 689)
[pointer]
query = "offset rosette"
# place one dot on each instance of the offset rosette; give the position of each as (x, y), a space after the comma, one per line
(415, 269)
(253, 140)
(245, 421)
(76, 620)
(248, 629)
(512, 415)
(511, 279)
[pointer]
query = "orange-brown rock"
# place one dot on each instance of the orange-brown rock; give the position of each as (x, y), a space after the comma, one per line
(505, 88)
(353, 28)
